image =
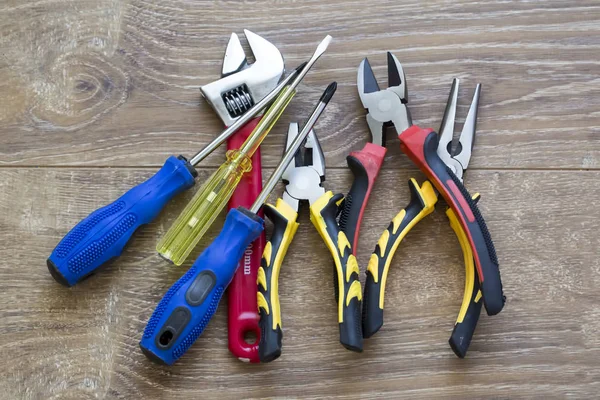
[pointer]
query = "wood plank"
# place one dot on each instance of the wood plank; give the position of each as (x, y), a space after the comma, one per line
(82, 342)
(114, 82)
(98, 93)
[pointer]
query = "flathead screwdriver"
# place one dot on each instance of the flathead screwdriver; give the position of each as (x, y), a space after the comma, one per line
(187, 307)
(103, 234)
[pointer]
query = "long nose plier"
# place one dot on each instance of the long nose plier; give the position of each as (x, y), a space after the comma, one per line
(444, 167)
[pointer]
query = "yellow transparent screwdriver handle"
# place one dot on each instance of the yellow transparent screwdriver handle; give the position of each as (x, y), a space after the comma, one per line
(209, 201)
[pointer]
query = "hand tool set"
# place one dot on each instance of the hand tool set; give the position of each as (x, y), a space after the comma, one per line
(240, 259)
(303, 183)
(190, 303)
(444, 169)
(103, 234)
(200, 213)
(231, 97)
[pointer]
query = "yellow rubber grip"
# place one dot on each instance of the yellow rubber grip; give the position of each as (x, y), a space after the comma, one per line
(285, 226)
(422, 203)
(284, 229)
(470, 275)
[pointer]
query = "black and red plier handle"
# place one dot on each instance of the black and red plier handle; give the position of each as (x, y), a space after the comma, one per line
(420, 145)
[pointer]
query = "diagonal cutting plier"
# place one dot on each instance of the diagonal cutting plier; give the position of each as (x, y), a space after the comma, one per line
(303, 183)
(444, 168)
(387, 108)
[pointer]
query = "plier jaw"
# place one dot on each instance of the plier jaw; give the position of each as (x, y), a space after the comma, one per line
(385, 107)
(305, 176)
(457, 157)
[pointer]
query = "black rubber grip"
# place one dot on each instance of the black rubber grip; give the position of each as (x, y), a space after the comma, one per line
(460, 340)
(269, 348)
(372, 316)
(353, 203)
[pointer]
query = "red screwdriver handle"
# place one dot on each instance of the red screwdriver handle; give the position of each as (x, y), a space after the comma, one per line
(243, 314)
(365, 165)
(420, 145)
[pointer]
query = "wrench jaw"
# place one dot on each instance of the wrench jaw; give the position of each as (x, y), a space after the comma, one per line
(235, 57)
(242, 84)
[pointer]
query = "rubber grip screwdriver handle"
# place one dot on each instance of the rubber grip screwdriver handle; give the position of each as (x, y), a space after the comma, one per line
(187, 307)
(284, 229)
(347, 285)
(470, 310)
(420, 145)
(242, 316)
(103, 234)
(422, 203)
(365, 165)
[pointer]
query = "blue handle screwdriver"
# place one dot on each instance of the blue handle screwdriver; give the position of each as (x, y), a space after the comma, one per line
(187, 307)
(103, 234)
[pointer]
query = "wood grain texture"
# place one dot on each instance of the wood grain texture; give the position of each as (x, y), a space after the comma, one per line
(94, 95)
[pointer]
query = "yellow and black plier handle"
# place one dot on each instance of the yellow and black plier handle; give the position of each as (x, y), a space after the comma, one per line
(422, 203)
(470, 309)
(348, 293)
(284, 229)
(322, 214)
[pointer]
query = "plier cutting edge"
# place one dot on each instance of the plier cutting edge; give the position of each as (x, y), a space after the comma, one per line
(444, 168)
(303, 179)
(386, 108)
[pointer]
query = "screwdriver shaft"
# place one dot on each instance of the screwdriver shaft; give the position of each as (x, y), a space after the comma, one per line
(291, 152)
(244, 118)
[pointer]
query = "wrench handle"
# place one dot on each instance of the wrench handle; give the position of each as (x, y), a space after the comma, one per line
(242, 315)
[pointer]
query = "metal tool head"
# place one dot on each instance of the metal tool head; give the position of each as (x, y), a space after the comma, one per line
(242, 84)
(388, 106)
(303, 177)
(457, 157)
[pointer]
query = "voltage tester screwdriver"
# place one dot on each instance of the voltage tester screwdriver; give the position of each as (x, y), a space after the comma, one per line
(103, 234)
(187, 307)
(209, 201)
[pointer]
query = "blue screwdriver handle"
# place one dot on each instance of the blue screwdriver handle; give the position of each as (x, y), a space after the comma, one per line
(103, 234)
(185, 310)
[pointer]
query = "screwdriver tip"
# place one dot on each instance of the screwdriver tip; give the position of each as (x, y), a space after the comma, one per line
(329, 92)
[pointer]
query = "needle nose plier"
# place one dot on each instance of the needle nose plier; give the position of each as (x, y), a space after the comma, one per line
(386, 108)
(444, 167)
(303, 180)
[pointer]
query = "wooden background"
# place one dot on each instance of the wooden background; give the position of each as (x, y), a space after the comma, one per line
(95, 94)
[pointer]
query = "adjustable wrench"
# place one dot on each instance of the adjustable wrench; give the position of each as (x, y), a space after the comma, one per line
(242, 85)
